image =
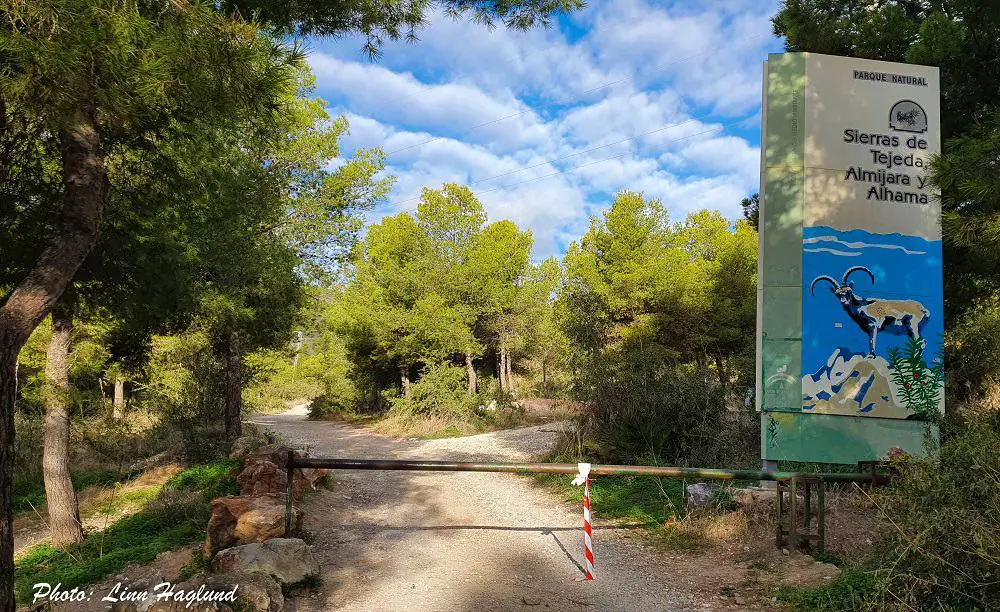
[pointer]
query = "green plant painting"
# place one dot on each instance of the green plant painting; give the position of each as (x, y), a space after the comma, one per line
(919, 385)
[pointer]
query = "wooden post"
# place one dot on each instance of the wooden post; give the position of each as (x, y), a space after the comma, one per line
(808, 505)
(821, 515)
(779, 490)
(793, 515)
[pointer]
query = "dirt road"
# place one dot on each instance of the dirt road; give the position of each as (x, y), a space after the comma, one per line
(464, 541)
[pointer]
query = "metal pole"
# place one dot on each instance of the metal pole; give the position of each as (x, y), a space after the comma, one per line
(559, 468)
(290, 475)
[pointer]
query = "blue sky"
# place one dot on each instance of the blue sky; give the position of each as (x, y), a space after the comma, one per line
(659, 97)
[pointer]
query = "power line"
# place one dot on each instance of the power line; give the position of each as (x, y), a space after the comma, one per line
(583, 93)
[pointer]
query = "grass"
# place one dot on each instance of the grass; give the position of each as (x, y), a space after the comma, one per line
(124, 499)
(847, 592)
(175, 517)
(640, 499)
(28, 493)
(656, 506)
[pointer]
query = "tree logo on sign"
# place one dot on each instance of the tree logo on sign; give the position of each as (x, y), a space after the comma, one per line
(908, 116)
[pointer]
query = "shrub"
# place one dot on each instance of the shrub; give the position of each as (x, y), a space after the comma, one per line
(440, 390)
(947, 516)
(675, 413)
(944, 553)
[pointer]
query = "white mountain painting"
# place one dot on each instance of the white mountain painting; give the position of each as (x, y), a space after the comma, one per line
(852, 384)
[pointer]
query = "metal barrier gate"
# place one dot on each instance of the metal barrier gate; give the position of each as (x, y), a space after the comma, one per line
(787, 529)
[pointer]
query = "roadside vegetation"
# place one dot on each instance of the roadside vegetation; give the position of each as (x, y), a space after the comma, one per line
(172, 514)
(209, 259)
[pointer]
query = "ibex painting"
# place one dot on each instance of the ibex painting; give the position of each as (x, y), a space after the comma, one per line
(873, 315)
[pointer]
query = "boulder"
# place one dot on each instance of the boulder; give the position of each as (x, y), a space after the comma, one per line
(243, 447)
(254, 591)
(264, 472)
(243, 519)
(700, 495)
(752, 496)
(289, 560)
(258, 591)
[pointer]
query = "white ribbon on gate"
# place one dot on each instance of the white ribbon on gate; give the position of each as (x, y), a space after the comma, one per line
(582, 474)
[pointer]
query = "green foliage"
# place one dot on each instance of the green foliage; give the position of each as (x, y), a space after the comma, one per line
(655, 504)
(381, 21)
(848, 591)
(138, 538)
(943, 552)
(28, 491)
(216, 479)
(441, 390)
(275, 379)
(675, 413)
(649, 307)
(199, 564)
(947, 548)
(443, 286)
(919, 385)
(751, 210)
(634, 499)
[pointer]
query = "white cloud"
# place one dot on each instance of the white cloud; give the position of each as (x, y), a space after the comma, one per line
(684, 86)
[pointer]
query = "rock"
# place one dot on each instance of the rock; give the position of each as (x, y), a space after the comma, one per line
(853, 384)
(258, 592)
(700, 495)
(289, 560)
(243, 447)
(264, 472)
(750, 497)
(243, 519)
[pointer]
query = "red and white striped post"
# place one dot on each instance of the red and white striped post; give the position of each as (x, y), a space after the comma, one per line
(583, 477)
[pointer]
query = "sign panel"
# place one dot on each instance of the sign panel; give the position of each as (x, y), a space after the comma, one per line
(850, 321)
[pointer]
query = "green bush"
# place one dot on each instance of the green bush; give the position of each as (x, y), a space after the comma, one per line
(677, 414)
(944, 553)
(441, 390)
(212, 480)
(947, 516)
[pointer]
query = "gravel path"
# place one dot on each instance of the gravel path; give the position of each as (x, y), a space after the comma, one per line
(464, 541)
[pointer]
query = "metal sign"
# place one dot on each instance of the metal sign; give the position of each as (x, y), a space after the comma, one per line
(850, 322)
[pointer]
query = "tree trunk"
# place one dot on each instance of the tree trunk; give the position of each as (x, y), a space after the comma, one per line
(510, 374)
(404, 377)
(722, 375)
(64, 511)
(502, 367)
(472, 373)
(86, 191)
(234, 388)
(544, 372)
(119, 404)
